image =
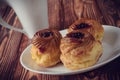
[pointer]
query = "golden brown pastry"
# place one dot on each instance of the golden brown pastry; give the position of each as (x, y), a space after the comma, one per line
(92, 26)
(80, 50)
(45, 47)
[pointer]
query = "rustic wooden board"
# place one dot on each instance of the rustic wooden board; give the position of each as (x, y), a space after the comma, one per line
(62, 13)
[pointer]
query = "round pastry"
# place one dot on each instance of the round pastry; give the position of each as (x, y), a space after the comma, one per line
(92, 26)
(46, 47)
(80, 50)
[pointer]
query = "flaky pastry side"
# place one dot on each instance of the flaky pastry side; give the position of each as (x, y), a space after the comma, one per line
(45, 49)
(80, 50)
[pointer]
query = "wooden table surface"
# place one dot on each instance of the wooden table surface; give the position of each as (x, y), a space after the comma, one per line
(62, 13)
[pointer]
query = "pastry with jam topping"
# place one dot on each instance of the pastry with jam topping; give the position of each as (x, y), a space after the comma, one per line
(79, 49)
(45, 47)
(92, 26)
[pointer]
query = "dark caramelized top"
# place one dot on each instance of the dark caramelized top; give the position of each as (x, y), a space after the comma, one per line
(45, 39)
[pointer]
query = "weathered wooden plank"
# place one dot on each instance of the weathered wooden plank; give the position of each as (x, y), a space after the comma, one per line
(9, 45)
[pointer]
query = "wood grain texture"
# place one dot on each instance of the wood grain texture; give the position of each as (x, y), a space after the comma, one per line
(62, 13)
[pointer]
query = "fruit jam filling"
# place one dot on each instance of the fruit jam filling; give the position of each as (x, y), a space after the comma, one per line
(82, 26)
(46, 34)
(76, 35)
